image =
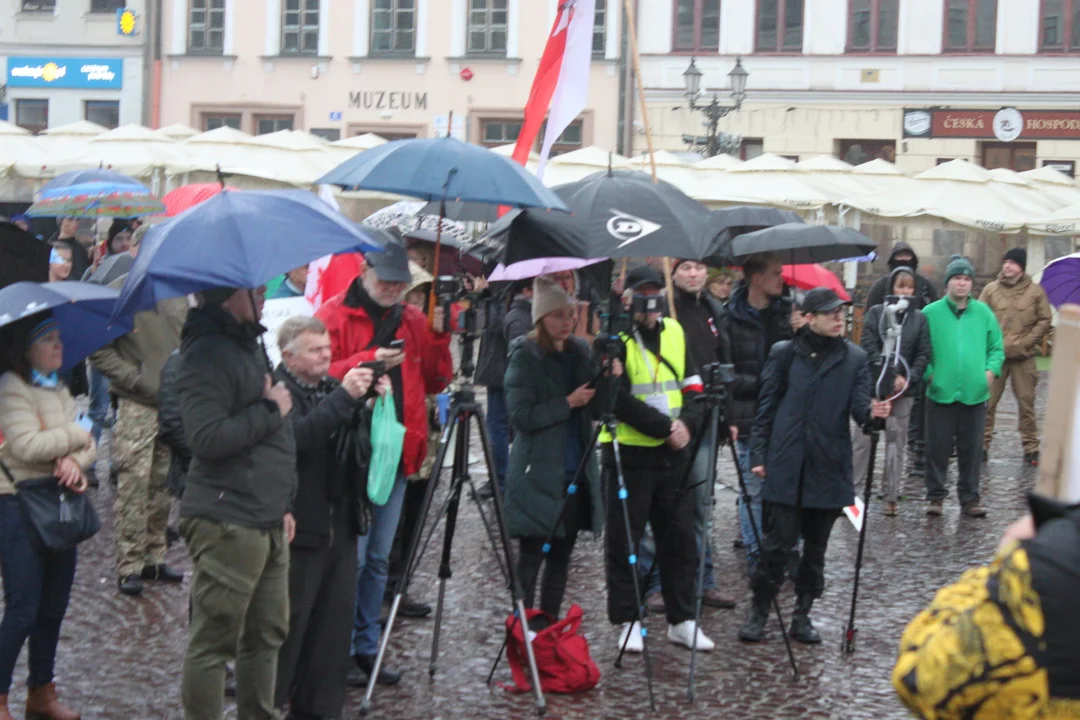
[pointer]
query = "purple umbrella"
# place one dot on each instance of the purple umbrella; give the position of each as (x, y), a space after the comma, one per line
(538, 266)
(1061, 280)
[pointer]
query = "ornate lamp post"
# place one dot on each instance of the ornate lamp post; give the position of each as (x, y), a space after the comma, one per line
(714, 110)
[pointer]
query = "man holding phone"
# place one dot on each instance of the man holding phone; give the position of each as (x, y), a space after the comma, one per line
(367, 322)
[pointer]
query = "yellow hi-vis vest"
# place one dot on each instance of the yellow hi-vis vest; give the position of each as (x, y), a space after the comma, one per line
(652, 379)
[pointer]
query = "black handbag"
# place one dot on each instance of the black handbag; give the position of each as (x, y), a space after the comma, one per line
(58, 518)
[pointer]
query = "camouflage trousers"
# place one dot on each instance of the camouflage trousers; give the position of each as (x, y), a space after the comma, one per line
(142, 501)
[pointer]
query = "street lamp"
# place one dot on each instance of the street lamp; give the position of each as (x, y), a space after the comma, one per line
(714, 110)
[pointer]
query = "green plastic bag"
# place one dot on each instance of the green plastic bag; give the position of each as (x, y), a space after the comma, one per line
(387, 439)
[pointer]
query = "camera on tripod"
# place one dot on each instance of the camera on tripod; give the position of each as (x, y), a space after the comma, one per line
(717, 376)
(474, 311)
(648, 304)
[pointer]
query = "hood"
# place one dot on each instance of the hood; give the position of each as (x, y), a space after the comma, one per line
(899, 248)
(420, 277)
(212, 320)
(896, 271)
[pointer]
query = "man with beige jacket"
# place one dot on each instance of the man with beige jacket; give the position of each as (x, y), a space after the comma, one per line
(1024, 314)
(133, 365)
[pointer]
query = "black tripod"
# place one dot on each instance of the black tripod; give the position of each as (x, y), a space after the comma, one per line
(874, 430)
(464, 410)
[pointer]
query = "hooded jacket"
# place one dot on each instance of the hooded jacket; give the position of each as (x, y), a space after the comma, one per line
(1023, 312)
(925, 292)
(914, 342)
(243, 465)
(699, 316)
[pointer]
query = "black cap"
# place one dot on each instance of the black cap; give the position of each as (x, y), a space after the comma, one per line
(643, 276)
(821, 300)
(390, 265)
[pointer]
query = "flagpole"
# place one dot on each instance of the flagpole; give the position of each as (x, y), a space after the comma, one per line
(631, 30)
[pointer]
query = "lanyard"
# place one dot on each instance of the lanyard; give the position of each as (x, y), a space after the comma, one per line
(655, 373)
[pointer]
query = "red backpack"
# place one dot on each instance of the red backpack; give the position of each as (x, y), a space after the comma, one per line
(562, 655)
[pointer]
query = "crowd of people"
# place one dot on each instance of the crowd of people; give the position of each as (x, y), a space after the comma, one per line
(293, 560)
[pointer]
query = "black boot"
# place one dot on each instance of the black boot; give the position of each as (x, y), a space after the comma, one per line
(801, 627)
(753, 630)
(387, 676)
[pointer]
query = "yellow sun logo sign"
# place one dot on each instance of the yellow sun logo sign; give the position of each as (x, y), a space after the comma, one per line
(50, 72)
(126, 22)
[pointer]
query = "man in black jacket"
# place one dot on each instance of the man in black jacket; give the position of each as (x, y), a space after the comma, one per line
(234, 512)
(314, 661)
(755, 318)
(801, 448)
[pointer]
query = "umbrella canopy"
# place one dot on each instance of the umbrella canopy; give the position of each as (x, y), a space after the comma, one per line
(408, 215)
(177, 131)
(437, 168)
(1065, 221)
(112, 268)
(1054, 183)
(802, 244)
(808, 277)
(1024, 193)
(1061, 280)
(741, 219)
(81, 310)
(178, 200)
(580, 164)
(529, 234)
(718, 162)
(834, 177)
(669, 168)
(766, 180)
(539, 266)
(80, 128)
(236, 239)
(96, 199)
(79, 177)
(22, 256)
(130, 149)
(360, 142)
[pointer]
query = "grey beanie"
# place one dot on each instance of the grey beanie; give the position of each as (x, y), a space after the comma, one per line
(548, 297)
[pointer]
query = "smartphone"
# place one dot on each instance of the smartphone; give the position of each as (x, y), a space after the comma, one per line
(397, 345)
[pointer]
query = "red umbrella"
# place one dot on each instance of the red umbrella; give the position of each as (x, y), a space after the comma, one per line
(187, 196)
(808, 277)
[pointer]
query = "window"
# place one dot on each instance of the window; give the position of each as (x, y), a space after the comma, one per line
(38, 5)
(570, 139)
(327, 134)
(779, 25)
(599, 34)
(1014, 156)
(103, 112)
(487, 27)
(873, 25)
(970, 25)
(206, 28)
(393, 26)
(265, 124)
(499, 132)
(107, 6)
(697, 25)
(1060, 26)
(857, 152)
(752, 148)
(32, 115)
(300, 27)
(213, 122)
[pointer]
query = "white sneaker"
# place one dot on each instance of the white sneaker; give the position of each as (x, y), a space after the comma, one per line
(684, 634)
(636, 643)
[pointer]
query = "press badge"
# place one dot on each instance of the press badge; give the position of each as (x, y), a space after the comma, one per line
(659, 402)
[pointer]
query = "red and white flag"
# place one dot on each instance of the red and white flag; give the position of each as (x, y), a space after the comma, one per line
(562, 79)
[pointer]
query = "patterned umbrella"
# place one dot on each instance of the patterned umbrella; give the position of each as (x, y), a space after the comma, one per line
(96, 199)
(407, 216)
(178, 200)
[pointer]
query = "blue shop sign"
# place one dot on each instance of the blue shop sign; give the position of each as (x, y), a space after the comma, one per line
(61, 72)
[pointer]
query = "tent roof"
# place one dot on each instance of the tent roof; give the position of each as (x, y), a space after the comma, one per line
(718, 162)
(83, 128)
(825, 164)
(766, 163)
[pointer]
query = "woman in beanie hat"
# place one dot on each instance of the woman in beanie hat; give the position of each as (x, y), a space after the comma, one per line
(551, 409)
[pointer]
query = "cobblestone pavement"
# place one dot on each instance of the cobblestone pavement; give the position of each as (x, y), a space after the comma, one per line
(121, 657)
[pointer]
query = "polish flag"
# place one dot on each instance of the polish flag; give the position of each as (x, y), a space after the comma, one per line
(562, 79)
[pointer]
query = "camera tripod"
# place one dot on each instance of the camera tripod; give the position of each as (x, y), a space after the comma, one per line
(464, 410)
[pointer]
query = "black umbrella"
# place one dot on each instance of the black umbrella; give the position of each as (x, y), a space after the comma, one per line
(526, 234)
(111, 268)
(741, 219)
(800, 244)
(22, 256)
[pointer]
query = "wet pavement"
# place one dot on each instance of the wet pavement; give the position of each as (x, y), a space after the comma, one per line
(121, 657)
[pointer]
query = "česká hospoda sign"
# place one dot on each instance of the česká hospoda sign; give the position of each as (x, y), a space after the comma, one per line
(66, 72)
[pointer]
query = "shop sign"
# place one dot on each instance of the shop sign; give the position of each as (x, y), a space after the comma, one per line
(1004, 124)
(50, 72)
(387, 100)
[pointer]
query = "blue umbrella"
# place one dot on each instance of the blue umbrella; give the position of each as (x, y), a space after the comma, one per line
(78, 177)
(236, 239)
(443, 168)
(83, 312)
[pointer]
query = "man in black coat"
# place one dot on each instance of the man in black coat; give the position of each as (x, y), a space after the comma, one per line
(755, 318)
(801, 448)
(314, 661)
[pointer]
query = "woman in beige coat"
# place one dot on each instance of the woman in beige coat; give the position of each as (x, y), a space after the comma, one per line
(41, 439)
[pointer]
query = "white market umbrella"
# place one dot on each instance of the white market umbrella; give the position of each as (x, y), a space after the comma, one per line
(1054, 182)
(179, 131)
(834, 177)
(1025, 192)
(579, 164)
(235, 152)
(366, 141)
(669, 168)
(1063, 222)
(766, 180)
(306, 157)
(131, 149)
(718, 162)
(81, 128)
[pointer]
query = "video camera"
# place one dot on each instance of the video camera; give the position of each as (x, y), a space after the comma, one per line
(454, 288)
(647, 304)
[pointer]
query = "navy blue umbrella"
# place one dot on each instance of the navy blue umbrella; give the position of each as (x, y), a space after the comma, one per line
(78, 177)
(443, 168)
(82, 311)
(236, 239)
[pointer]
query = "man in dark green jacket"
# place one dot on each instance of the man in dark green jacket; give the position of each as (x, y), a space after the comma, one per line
(965, 356)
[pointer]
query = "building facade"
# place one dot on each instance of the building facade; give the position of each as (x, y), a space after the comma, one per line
(916, 82)
(70, 60)
(397, 68)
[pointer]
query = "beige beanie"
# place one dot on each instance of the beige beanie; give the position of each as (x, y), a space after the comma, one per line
(548, 297)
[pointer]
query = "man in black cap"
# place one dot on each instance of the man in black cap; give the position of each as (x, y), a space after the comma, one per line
(369, 322)
(801, 446)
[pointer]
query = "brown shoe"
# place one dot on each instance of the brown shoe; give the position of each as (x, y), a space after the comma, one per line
(973, 509)
(715, 599)
(890, 509)
(5, 714)
(41, 704)
(935, 507)
(655, 604)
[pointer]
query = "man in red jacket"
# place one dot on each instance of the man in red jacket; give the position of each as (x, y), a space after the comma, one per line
(363, 322)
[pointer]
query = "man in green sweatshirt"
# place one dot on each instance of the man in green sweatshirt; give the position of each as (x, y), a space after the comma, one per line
(966, 355)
